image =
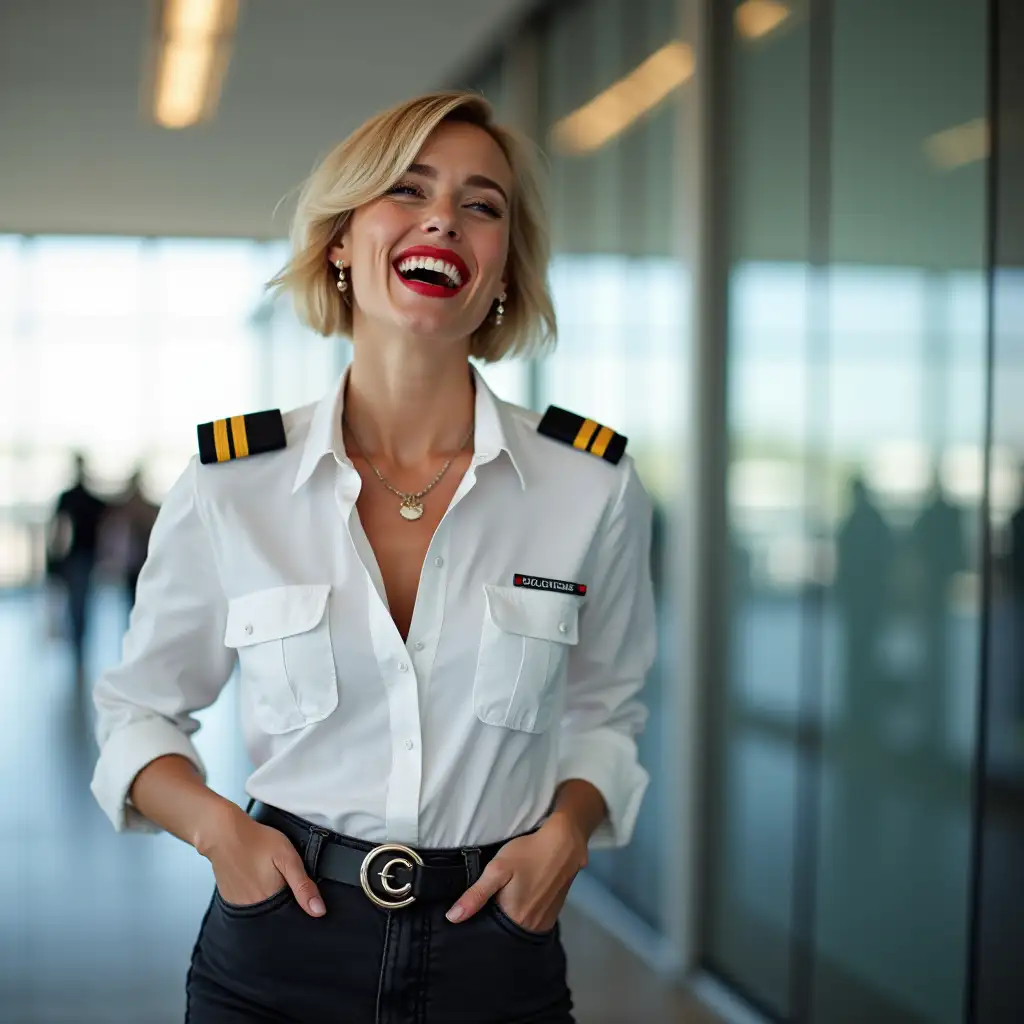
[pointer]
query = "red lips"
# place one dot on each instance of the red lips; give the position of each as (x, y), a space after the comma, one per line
(438, 254)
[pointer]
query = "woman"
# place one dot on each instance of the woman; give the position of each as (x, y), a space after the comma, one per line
(440, 605)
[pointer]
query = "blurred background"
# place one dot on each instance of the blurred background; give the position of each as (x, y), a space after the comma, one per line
(789, 238)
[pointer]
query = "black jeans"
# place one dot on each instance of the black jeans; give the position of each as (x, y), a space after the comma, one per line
(359, 964)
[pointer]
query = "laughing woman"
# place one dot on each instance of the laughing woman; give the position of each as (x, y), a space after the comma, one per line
(440, 606)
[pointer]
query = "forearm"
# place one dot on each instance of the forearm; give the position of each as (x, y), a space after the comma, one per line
(580, 804)
(170, 792)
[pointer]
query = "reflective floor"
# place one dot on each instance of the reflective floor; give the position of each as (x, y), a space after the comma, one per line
(97, 928)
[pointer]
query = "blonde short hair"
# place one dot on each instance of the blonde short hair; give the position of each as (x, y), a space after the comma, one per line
(369, 162)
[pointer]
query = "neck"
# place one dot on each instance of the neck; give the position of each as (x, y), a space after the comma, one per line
(409, 399)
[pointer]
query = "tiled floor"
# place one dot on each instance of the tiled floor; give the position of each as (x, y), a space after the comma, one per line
(97, 928)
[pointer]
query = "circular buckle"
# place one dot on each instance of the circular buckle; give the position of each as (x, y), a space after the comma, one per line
(411, 857)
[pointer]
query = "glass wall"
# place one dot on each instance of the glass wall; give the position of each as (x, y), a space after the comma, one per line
(609, 79)
(999, 936)
(843, 731)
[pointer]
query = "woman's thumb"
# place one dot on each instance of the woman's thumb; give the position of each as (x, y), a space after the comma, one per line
(307, 895)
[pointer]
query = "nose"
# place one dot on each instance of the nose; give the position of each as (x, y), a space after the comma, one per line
(442, 219)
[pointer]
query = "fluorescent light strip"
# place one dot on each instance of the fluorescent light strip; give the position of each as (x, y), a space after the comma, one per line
(611, 112)
(193, 55)
(960, 145)
(755, 19)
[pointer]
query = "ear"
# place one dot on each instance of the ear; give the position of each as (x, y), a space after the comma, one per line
(337, 252)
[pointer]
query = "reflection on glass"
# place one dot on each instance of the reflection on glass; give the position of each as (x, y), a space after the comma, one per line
(856, 410)
(622, 350)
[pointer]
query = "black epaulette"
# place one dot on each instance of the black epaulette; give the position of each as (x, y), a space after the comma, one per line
(241, 436)
(586, 435)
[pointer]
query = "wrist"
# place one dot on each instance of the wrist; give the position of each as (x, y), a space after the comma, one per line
(570, 831)
(214, 819)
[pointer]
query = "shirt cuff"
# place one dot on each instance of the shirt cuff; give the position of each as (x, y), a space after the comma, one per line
(607, 760)
(125, 753)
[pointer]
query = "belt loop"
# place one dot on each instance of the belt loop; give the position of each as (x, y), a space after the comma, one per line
(471, 854)
(314, 844)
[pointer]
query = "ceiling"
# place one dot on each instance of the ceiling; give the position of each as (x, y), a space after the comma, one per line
(79, 155)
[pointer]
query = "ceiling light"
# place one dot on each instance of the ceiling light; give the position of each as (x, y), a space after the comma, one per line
(611, 112)
(960, 145)
(191, 19)
(757, 18)
(192, 54)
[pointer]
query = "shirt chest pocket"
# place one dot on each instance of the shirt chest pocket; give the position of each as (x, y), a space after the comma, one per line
(524, 645)
(283, 639)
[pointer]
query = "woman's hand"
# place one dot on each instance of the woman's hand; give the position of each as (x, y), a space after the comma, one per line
(531, 875)
(251, 862)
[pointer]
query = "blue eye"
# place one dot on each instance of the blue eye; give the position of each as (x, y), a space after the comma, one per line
(491, 211)
(403, 188)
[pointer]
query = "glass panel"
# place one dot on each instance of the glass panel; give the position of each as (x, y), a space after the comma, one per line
(754, 759)
(622, 356)
(899, 490)
(999, 991)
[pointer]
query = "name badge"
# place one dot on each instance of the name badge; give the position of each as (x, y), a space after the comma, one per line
(540, 583)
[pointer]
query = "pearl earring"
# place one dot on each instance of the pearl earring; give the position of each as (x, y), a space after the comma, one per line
(499, 318)
(342, 283)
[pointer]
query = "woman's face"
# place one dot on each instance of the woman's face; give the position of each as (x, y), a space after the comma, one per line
(428, 257)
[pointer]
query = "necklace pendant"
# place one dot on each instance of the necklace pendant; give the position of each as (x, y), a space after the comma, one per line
(411, 509)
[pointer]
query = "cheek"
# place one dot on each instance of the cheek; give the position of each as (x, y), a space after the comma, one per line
(491, 254)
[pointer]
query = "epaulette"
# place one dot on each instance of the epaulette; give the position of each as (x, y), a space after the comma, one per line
(241, 436)
(581, 433)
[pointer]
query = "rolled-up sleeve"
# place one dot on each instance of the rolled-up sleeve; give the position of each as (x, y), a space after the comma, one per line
(174, 660)
(608, 666)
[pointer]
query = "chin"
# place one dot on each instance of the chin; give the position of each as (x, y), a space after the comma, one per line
(432, 327)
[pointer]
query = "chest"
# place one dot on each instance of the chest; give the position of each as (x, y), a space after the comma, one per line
(400, 545)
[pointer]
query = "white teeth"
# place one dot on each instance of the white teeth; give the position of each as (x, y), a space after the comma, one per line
(429, 263)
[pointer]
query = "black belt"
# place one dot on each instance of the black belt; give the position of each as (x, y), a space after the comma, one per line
(391, 874)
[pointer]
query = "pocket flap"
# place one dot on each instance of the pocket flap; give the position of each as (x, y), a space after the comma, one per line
(274, 613)
(539, 614)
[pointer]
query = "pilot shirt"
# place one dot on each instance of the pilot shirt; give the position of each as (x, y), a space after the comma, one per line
(458, 735)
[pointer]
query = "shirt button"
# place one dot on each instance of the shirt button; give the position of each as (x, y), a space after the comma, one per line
(480, 456)
(439, 561)
(248, 628)
(418, 646)
(409, 744)
(563, 627)
(403, 666)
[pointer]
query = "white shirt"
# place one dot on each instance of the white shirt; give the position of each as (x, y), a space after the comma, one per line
(458, 735)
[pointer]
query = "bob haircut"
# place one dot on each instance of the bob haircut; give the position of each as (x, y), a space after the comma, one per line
(369, 162)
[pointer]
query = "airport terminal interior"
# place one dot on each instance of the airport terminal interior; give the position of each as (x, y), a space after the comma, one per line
(787, 251)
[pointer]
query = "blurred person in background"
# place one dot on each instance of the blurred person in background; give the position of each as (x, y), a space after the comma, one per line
(129, 525)
(72, 544)
(865, 562)
(440, 604)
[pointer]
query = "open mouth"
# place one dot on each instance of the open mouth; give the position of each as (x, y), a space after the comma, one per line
(433, 272)
(429, 270)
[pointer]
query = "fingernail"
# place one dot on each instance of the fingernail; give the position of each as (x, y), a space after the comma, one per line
(455, 914)
(317, 906)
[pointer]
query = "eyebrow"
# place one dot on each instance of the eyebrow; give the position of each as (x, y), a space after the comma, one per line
(474, 179)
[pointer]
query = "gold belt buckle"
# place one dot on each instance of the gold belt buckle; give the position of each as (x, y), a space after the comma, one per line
(410, 857)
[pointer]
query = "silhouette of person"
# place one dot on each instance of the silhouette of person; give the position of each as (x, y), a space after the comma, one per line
(132, 519)
(937, 546)
(1015, 579)
(77, 518)
(865, 554)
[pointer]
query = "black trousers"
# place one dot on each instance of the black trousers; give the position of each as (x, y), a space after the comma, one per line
(360, 964)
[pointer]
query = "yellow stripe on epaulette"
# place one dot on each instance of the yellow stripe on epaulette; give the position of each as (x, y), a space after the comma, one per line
(240, 436)
(584, 434)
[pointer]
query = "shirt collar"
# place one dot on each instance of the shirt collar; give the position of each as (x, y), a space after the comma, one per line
(495, 430)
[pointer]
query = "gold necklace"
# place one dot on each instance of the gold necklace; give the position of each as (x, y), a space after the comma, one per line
(411, 507)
